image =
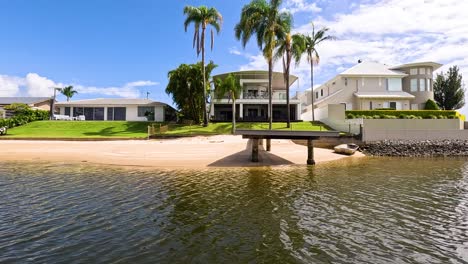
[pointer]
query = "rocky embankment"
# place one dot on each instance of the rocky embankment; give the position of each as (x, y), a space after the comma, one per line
(427, 148)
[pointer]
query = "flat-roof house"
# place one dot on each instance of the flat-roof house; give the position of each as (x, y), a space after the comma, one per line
(117, 109)
(371, 85)
(253, 102)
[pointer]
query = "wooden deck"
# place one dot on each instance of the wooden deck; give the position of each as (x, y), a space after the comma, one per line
(257, 137)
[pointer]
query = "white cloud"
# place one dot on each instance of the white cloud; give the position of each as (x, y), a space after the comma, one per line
(387, 31)
(296, 6)
(234, 51)
(36, 85)
(9, 86)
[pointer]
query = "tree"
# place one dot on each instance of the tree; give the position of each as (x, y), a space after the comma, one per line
(289, 48)
(449, 91)
(309, 44)
(202, 17)
(186, 89)
(68, 92)
(269, 24)
(232, 87)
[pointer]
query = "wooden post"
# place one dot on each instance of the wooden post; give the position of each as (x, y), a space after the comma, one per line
(254, 149)
(268, 144)
(310, 152)
(260, 142)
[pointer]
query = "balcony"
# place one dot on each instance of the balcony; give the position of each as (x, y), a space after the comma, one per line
(250, 95)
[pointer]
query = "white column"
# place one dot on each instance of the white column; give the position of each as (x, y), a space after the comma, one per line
(105, 113)
(298, 112)
(241, 110)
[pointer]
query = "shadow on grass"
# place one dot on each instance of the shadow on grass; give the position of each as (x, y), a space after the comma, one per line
(137, 129)
(243, 158)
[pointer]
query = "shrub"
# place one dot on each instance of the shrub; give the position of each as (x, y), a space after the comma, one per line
(432, 117)
(23, 114)
(350, 116)
(431, 105)
(403, 113)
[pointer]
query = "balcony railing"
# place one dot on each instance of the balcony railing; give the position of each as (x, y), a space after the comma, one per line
(255, 96)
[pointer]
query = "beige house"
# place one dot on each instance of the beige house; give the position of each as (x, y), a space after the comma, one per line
(371, 85)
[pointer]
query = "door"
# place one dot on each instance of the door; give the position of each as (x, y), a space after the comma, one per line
(393, 105)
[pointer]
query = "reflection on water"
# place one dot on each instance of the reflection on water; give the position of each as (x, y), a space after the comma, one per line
(369, 211)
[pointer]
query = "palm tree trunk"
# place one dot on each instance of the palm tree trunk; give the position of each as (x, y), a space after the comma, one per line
(205, 118)
(68, 99)
(288, 111)
(270, 93)
(312, 87)
(233, 114)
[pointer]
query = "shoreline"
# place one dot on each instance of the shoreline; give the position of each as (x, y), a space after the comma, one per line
(194, 152)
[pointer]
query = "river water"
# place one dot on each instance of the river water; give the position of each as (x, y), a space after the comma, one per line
(372, 210)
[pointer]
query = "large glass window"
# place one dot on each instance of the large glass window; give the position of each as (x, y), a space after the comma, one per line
(413, 71)
(77, 111)
(428, 85)
(98, 113)
(67, 111)
(142, 110)
(414, 85)
(117, 113)
(394, 84)
(422, 70)
(422, 85)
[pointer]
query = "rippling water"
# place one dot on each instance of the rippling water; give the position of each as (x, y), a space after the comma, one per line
(367, 211)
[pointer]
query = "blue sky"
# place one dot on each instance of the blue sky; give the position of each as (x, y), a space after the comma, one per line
(112, 48)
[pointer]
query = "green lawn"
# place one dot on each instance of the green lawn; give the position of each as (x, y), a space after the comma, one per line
(123, 129)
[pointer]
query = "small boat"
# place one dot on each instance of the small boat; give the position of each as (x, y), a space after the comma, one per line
(347, 149)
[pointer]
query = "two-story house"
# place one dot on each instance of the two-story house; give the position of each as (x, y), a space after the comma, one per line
(371, 85)
(253, 102)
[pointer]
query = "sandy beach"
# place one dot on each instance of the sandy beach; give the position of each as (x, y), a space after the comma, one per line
(195, 152)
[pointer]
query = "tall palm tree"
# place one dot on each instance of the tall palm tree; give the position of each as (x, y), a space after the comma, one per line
(231, 86)
(202, 16)
(264, 19)
(289, 48)
(68, 92)
(310, 43)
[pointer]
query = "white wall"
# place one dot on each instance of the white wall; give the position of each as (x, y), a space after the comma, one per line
(131, 114)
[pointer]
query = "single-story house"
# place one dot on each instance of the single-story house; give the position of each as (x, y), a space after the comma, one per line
(42, 103)
(117, 109)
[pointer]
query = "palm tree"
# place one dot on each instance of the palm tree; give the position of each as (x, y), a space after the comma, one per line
(264, 19)
(288, 49)
(202, 17)
(68, 92)
(231, 86)
(309, 43)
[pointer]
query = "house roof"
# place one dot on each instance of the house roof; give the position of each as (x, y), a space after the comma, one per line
(111, 101)
(22, 100)
(370, 68)
(388, 94)
(251, 77)
(432, 64)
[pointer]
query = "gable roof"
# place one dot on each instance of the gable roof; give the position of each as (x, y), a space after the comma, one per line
(111, 101)
(22, 100)
(370, 68)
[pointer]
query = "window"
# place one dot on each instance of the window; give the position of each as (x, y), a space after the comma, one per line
(414, 85)
(393, 105)
(422, 70)
(77, 111)
(429, 71)
(142, 110)
(428, 85)
(370, 105)
(67, 111)
(321, 92)
(394, 84)
(413, 71)
(422, 85)
(316, 94)
(346, 81)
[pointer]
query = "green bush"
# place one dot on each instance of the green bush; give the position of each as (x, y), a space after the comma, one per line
(350, 116)
(431, 105)
(23, 114)
(403, 114)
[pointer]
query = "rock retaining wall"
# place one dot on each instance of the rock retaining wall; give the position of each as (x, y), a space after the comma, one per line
(408, 148)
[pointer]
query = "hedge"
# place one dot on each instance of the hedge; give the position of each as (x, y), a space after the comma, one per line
(404, 114)
(24, 116)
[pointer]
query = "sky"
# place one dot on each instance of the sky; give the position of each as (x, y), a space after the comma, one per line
(124, 48)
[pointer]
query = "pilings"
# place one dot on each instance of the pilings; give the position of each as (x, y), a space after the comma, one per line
(255, 149)
(268, 144)
(310, 152)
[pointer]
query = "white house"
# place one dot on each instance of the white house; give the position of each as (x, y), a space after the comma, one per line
(253, 102)
(371, 85)
(117, 109)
